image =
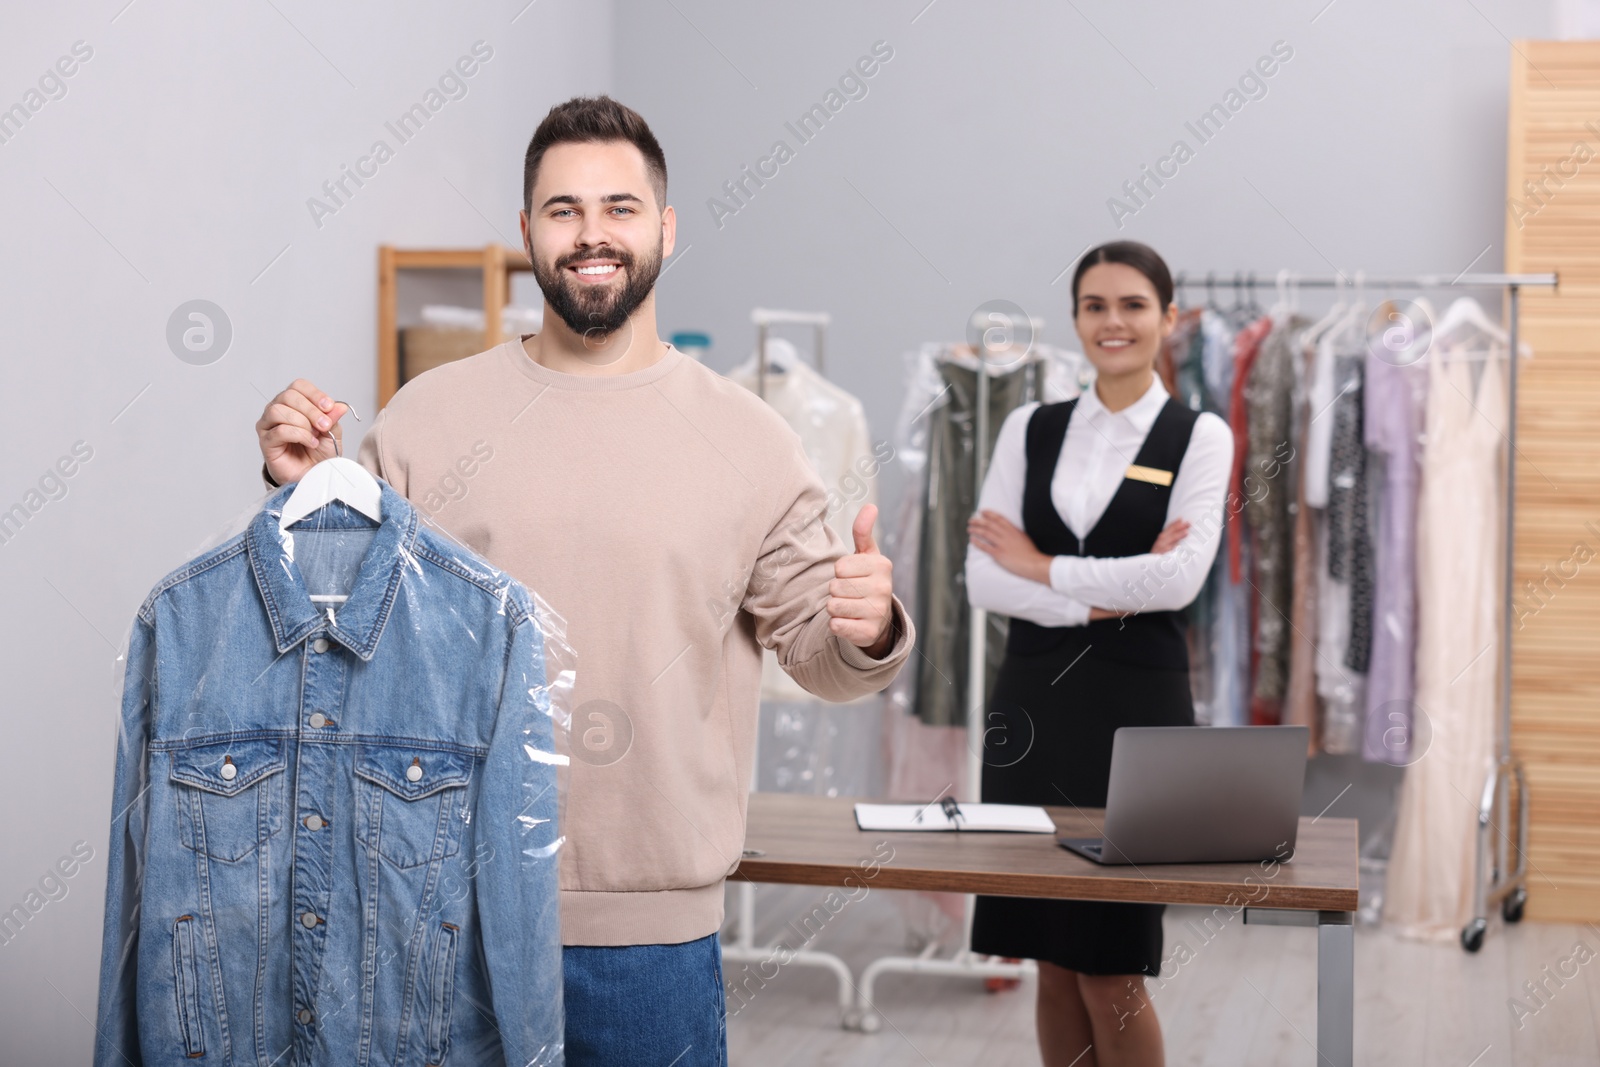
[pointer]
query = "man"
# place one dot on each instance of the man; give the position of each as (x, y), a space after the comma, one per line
(671, 518)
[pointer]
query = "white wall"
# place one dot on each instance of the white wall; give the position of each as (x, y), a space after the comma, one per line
(177, 166)
(980, 162)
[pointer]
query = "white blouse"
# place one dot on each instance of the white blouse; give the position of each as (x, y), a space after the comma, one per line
(1100, 446)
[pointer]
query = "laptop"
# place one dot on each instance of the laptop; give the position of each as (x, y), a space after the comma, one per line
(1200, 794)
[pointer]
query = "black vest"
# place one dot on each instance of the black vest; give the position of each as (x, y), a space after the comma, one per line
(1129, 527)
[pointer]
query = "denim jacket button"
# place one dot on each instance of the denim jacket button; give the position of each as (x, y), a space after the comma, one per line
(320, 645)
(309, 920)
(318, 721)
(304, 1016)
(414, 772)
(313, 822)
(229, 772)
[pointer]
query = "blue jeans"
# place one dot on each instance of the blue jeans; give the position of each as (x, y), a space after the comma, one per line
(645, 1005)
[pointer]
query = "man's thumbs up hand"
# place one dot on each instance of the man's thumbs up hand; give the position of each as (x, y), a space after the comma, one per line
(861, 595)
(862, 529)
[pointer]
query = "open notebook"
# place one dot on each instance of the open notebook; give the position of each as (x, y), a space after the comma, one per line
(1015, 818)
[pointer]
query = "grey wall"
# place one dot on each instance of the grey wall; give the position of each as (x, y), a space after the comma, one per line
(980, 162)
(177, 166)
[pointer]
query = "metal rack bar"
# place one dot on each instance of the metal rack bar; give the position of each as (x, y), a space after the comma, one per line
(1185, 280)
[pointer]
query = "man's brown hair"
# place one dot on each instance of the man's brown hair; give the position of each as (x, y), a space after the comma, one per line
(594, 120)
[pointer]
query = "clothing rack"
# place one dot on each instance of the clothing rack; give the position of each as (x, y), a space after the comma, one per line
(768, 317)
(1496, 885)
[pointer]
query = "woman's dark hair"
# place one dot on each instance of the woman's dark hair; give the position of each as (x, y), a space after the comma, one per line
(1141, 257)
(594, 120)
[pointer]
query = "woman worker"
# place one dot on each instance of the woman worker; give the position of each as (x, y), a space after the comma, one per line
(1097, 524)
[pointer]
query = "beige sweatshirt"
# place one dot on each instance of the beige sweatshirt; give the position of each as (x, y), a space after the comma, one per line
(672, 520)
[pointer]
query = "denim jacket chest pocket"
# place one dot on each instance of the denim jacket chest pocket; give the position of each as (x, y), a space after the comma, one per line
(229, 795)
(411, 802)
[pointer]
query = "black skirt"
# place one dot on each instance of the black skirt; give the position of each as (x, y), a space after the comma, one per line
(1047, 740)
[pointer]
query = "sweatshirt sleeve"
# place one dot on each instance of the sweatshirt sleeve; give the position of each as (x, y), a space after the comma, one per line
(787, 596)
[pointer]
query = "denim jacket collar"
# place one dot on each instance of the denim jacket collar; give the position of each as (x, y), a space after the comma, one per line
(359, 621)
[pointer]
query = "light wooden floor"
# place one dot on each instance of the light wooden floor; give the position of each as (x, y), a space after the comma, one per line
(1247, 997)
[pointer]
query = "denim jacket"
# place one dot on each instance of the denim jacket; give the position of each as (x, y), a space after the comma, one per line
(334, 837)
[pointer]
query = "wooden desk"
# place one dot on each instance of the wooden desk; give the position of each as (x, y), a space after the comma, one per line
(805, 840)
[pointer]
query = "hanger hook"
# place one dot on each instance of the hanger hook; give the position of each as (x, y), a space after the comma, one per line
(338, 444)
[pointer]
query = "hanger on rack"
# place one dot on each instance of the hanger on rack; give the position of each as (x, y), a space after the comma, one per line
(1315, 332)
(1465, 318)
(1354, 321)
(339, 479)
(1238, 307)
(1466, 313)
(1283, 305)
(781, 355)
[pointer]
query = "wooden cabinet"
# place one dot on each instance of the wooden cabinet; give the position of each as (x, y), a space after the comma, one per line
(1553, 224)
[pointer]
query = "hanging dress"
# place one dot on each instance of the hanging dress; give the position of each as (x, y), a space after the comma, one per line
(1460, 522)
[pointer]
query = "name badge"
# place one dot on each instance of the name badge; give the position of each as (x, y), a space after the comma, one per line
(1149, 474)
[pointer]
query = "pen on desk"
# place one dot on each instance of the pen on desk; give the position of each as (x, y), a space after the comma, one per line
(952, 811)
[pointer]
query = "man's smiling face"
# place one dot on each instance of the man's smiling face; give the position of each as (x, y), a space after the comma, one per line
(598, 234)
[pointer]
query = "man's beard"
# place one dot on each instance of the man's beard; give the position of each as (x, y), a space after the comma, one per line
(597, 309)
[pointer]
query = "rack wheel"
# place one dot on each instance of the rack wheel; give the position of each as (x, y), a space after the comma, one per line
(869, 1023)
(851, 1020)
(1511, 907)
(1472, 934)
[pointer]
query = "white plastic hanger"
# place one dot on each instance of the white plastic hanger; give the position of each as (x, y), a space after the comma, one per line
(1465, 315)
(781, 356)
(333, 479)
(1314, 332)
(1465, 311)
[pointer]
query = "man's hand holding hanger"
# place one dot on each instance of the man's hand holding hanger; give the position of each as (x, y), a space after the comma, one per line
(298, 430)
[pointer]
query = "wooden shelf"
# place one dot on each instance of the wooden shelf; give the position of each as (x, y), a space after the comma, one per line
(495, 262)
